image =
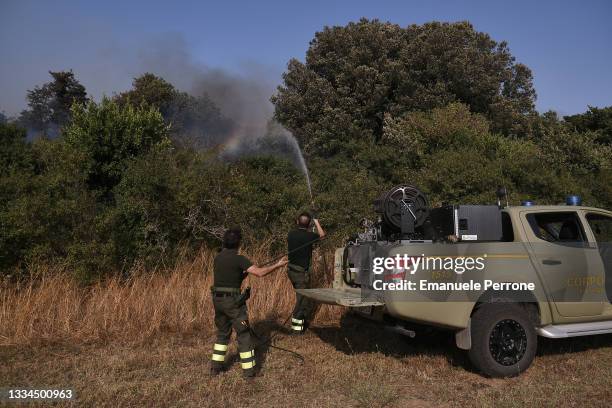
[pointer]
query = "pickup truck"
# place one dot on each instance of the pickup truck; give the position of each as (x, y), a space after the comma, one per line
(546, 271)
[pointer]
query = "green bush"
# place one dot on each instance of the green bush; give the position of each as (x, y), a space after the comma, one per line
(109, 135)
(453, 155)
(44, 205)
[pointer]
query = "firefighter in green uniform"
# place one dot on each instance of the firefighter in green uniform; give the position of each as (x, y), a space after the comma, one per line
(299, 244)
(230, 269)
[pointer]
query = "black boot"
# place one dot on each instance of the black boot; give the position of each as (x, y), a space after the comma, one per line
(249, 373)
(215, 369)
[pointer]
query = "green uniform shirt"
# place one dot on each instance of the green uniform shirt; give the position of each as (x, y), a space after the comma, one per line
(230, 268)
(301, 238)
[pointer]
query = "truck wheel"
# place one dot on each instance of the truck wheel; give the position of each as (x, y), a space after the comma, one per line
(504, 340)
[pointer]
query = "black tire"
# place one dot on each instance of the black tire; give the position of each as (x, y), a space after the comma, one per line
(504, 340)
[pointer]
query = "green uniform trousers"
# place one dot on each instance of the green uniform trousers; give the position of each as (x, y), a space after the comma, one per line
(300, 279)
(229, 315)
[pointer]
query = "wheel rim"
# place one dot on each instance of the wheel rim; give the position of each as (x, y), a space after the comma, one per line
(508, 342)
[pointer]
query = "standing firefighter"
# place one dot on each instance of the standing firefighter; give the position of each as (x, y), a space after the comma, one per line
(299, 245)
(230, 269)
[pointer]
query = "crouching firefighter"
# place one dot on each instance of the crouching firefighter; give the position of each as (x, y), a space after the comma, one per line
(230, 269)
(299, 244)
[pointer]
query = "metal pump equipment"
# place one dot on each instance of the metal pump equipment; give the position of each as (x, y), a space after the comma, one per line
(403, 212)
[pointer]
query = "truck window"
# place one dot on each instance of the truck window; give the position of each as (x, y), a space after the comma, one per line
(601, 225)
(557, 227)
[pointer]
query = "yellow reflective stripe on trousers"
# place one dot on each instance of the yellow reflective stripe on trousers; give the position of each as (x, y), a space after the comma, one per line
(248, 365)
(218, 357)
(297, 327)
(296, 321)
(247, 354)
(220, 347)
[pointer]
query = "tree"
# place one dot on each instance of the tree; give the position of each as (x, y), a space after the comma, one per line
(582, 163)
(193, 120)
(109, 136)
(595, 120)
(355, 75)
(49, 105)
(151, 90)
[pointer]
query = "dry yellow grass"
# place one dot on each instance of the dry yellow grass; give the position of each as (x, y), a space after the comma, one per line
(351, 363)
(55, 308)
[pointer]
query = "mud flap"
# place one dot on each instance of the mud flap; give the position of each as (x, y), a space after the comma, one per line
(344, 297)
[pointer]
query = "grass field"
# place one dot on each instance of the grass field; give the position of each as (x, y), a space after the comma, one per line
(147, 342)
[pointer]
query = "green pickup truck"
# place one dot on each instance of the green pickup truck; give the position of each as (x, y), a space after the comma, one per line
(498, 276)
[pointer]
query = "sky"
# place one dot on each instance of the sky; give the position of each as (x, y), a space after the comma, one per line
(567, 44)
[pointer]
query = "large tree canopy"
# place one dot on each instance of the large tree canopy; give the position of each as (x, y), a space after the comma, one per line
(193, 120)
(355, 75)
(49, 105)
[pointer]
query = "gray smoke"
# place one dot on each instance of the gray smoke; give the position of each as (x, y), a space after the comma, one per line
(242, 96)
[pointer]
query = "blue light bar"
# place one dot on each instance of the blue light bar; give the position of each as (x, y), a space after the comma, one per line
(573, 200)
(527, 203)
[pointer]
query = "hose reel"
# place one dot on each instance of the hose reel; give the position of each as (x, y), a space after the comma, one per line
(403, 209)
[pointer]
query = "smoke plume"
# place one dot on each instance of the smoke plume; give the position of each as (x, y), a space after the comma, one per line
(242, 96)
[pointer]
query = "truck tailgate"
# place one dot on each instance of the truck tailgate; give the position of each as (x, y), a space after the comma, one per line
(344, 297)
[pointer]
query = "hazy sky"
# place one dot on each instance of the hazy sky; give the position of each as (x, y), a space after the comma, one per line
(567, 44)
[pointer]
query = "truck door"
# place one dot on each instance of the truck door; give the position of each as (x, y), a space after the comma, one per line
(568, 264)
(601, 227)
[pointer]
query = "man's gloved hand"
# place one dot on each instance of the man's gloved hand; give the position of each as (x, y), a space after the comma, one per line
(314, 211)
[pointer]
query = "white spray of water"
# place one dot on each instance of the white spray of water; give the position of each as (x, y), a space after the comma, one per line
(271, 139)
(301, 161)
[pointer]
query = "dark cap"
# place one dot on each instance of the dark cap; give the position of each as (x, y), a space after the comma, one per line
(232, 238)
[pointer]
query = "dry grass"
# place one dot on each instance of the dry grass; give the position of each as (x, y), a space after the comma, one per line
(146, 342)
(351, 364)
(55, 308)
